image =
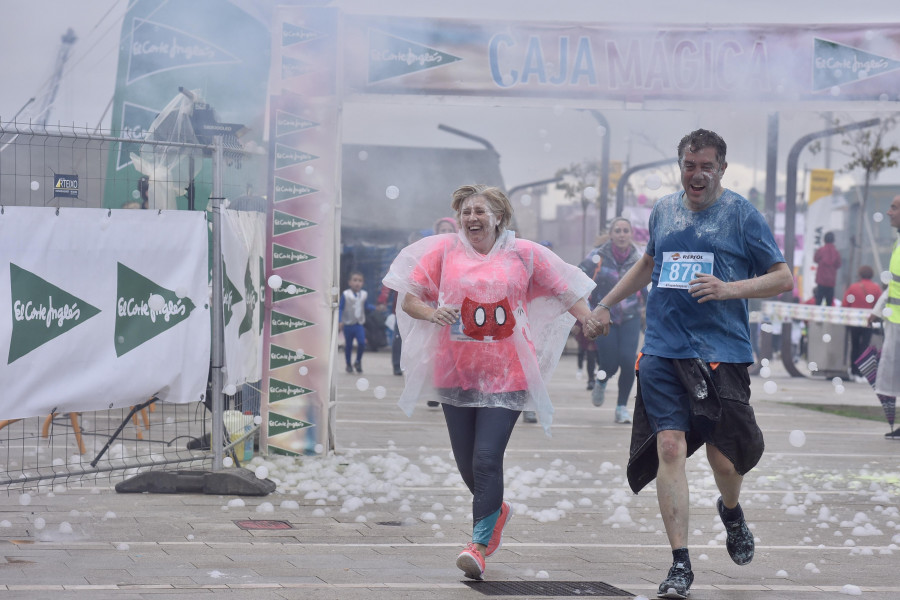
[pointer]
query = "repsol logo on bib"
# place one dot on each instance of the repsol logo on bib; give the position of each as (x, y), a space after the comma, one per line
(687, 257)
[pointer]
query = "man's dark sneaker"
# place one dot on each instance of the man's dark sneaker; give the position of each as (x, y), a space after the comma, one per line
(678, 583)
(349, 369)
(739, 540)
(358, 366)
(398, 371)
(433, 403)
(893, 435)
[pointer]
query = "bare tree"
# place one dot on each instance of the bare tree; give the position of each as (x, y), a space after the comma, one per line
(867, 149)
(580, 181)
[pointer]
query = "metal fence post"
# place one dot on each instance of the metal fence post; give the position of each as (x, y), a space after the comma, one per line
(217, 310)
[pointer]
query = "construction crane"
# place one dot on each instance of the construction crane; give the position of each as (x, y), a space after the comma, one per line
(68, 40)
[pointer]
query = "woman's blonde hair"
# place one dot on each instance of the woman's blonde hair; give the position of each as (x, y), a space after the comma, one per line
(495, 197)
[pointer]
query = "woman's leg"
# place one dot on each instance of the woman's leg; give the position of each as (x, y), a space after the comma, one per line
(493, 428)
(608, 353)
(461, 427)
(629, 335)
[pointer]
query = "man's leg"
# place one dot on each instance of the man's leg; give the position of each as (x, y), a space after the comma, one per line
(674, 505)
(671, 486)
(739, 542)
(727, 479)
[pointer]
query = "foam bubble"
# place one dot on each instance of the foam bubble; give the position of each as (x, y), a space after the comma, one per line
(797, 438)
(275, 282)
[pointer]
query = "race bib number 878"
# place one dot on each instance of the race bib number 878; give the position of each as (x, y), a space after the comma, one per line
(679, 268)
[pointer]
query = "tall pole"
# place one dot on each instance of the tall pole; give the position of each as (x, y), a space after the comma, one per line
(603, 200)
(217, 306)
(771, 169)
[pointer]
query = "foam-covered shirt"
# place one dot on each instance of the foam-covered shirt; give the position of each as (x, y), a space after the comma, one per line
(734, 236)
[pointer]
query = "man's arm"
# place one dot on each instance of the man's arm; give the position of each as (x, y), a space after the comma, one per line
(778, 279)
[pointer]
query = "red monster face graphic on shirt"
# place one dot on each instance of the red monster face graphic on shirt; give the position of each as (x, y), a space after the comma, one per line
(482, 320)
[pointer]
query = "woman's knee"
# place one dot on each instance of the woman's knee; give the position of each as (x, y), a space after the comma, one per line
(487, 461)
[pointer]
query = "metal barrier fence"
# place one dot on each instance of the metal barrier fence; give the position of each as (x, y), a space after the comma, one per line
(79, 449)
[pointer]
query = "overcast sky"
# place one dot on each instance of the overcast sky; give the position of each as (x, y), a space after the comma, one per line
(533, 141)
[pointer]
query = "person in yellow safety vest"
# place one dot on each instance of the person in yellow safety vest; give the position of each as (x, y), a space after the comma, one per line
(887, 310)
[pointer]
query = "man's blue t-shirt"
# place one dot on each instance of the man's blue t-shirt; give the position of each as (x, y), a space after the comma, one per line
(732, 239)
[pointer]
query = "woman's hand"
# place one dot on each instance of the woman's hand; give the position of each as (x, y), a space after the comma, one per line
(444, 315)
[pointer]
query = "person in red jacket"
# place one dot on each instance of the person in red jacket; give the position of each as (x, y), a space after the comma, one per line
(829, 261)
(861, 294)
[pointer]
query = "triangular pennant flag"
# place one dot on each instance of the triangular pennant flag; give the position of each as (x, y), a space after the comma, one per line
(282, 357)
(391, 56)
(285, 156)
(282, 323)
(283, 256)
(282, 390)
(294, 34)
(286, 123)
(290, 290)
(41, 311)
(285, 189)
(837, 64)
(283, 222)
(144, 309)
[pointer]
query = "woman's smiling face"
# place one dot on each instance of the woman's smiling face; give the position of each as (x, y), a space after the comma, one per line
(479, 223)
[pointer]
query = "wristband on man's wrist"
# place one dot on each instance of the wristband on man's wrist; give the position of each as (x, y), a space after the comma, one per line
(601, 305)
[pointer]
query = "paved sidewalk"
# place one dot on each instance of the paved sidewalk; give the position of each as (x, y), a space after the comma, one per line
(577, 522)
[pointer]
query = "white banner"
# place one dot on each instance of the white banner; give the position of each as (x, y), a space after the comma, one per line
(101, 309)
(243, 241)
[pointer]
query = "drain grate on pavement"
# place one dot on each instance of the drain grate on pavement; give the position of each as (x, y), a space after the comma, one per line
(547, 588)
(262, 524)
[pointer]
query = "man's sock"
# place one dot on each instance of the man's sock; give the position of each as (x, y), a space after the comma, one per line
(681, 555)
(731, 515)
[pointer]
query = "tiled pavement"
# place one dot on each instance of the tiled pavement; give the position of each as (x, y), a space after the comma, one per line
(159, 546)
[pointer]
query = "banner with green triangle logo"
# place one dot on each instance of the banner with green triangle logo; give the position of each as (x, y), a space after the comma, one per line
(231, 295)
(251, 302)
(144, 309)
(41, 311)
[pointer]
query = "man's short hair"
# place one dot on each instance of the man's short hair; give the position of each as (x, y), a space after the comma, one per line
(698, 140)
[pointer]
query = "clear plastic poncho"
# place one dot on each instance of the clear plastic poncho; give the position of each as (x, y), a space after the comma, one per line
(512, 329)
